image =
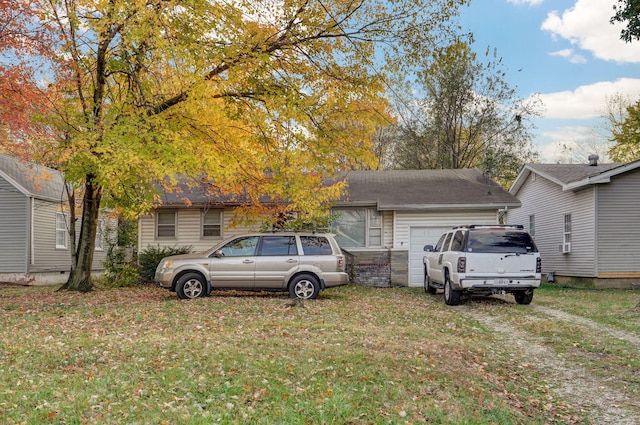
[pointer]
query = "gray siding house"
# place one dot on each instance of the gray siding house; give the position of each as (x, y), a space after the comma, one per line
(384, 220)
(34, 226)
(585, 219)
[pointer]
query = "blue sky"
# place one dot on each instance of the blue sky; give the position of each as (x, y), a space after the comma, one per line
(568, 53)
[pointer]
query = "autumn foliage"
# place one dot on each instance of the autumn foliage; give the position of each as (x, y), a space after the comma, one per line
(264, 100)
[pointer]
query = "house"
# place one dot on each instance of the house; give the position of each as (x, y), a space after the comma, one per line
(384, 220)
(34, 226)
(585, 219)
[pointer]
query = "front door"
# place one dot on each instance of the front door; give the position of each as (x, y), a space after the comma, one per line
(235, 268)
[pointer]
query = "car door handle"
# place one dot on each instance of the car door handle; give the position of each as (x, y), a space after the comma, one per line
(248, 261)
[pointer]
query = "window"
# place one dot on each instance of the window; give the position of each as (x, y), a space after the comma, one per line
(358, 227)
(446, 242)
(532, 225)
(458, 238)
(279, 245)
(440, 243)
(61, 230)
(241, 247)
(315, 245)
(211, 224)
(566, 238)
(375, 228)
(100, 235)
(166, 225)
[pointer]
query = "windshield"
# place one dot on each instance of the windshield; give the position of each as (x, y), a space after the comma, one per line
(499, 241)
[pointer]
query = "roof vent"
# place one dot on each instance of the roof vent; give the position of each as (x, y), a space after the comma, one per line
(593, 160)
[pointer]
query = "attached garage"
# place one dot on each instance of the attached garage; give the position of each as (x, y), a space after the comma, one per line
(419, 237)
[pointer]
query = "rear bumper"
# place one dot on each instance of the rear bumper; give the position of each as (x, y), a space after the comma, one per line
(507, 284)
(335, 279)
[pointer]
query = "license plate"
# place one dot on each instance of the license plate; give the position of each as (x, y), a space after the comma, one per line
(502, 281)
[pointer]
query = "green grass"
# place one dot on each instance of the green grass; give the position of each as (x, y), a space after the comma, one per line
(356, 355)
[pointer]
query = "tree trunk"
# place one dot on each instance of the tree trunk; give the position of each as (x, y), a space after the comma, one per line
(80, 276)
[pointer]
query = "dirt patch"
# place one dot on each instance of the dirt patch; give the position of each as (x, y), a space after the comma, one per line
(577, 385)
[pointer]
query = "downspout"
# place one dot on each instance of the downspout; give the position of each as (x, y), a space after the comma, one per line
(30, 260)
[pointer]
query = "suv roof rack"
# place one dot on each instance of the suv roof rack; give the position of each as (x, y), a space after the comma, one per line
(485, 226)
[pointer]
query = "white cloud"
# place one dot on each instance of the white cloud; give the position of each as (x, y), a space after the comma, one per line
(587, 26)
(573, 145)
(569, 54)
(587, 101)
(523, 2)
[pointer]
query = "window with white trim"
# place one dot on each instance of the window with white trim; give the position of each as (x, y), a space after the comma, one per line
(61, 231)
(211, 224)
(566, 238)
(166, 224)
(532, 225)
(100, 235)
(357, 227)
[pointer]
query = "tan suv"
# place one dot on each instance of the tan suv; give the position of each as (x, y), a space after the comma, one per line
(301, 263)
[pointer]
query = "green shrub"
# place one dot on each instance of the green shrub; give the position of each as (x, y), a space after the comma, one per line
(149, 259)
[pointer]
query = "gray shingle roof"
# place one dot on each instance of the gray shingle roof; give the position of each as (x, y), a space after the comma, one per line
(573, 176)
(426, 189)
(567, 173)
(32, 179)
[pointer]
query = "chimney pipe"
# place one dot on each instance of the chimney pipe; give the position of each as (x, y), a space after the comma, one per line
(593, 160)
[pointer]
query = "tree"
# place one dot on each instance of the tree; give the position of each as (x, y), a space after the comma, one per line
(469, 117)
(255, 97)
(628, 11)
(626, 136)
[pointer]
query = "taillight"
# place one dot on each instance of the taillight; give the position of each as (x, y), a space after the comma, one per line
(538, 265)
(340, 263)
(462, 265)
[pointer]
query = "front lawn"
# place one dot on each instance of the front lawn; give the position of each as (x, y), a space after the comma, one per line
(356, 355)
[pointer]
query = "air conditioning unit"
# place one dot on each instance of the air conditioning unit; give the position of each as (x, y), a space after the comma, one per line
(565, 248)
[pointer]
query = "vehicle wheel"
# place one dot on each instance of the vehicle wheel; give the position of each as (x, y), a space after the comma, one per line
(191, 285)
(304, 286)
(427, 284)
(523, 297)
(451, 296)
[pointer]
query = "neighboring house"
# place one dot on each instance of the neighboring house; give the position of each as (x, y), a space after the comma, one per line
(34, 235)
(585, 219)
(384, 221)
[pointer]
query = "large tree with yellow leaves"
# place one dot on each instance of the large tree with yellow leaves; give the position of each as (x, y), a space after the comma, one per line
(267, 97)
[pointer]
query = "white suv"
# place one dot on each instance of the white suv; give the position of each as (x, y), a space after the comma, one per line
(301, 263)
(483, 260)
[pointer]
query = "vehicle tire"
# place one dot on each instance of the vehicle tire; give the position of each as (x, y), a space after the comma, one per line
(451, 296)
(523, 297)
(427, 285)
(304, 286)
(191, 285)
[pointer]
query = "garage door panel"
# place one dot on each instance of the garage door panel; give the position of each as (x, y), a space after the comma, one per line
(418, 238)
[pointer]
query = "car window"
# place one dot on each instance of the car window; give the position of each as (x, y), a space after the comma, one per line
(456, 243)
(279, 245)
(500, 241)
(241, 247)
(445, 247)
(440, 242)
(315, 245)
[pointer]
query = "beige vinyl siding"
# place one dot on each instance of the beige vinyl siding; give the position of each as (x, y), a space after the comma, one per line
(188, 230)
(14, 229)
(549, 204)
(619, 224)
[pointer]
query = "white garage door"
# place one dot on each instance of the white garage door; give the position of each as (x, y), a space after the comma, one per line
(418, 238)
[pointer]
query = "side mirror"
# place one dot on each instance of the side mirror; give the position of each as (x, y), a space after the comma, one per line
(428, 248)
(218, 253)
